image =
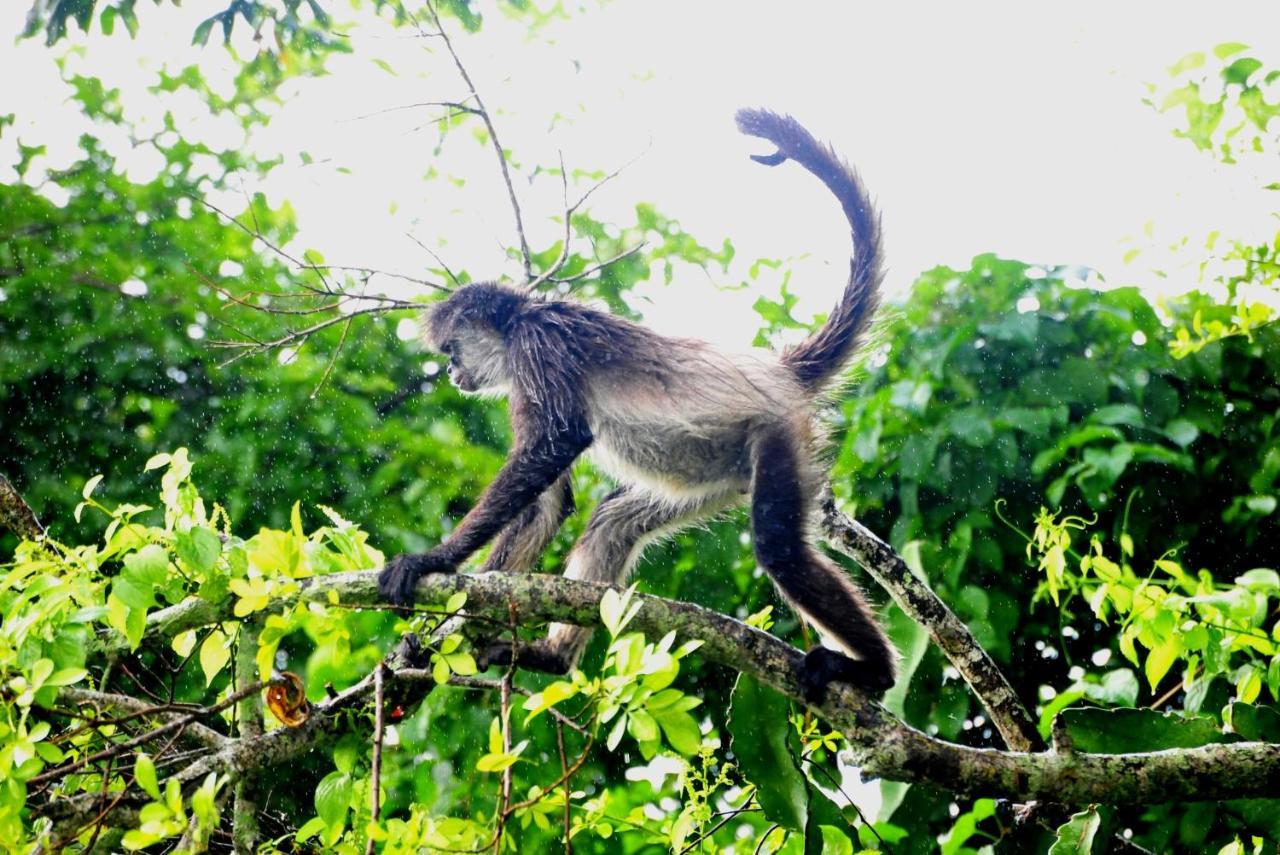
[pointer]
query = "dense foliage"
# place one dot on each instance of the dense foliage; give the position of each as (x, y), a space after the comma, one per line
(1089, 479)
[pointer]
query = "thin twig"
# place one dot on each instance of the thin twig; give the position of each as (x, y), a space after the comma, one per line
(373, 271)
(564, 773)
(459, 106)
(564, 778)
(505, 711)
(493, 686)
(333, 359)
(375, 796)
(155, 733)
(297, 335)
(447, 271)
(729, 817)
(256, 234)
(596, 268)
(483, 113)
(569, 211)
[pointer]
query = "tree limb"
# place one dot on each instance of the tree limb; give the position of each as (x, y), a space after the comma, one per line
(922, 605)
(16, 514)
(883, 745)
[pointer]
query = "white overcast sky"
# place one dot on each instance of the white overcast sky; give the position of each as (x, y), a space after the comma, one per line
(1016, 128)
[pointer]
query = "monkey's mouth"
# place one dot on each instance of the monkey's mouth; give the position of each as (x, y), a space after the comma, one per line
(461, 378)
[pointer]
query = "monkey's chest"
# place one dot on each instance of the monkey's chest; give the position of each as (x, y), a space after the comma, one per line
(671, 457)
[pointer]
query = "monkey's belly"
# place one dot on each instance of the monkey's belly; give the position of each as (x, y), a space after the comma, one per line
(669, 461)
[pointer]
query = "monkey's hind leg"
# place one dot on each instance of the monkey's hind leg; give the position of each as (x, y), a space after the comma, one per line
(819, 590)
(621, 526)
(521, 544)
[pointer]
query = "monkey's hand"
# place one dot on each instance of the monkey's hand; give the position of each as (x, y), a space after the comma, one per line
(822, 666)
(538, 656)
(399, 578)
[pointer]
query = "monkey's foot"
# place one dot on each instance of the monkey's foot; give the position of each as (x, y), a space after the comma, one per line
(399, 578)
(822, 666)
(532, 657)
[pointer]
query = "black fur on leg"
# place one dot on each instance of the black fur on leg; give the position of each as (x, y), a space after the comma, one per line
(822, 666)
(399, 578)
(532, 657)
(819, 590)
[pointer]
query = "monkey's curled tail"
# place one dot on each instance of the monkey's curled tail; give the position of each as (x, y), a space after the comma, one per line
(821, 357)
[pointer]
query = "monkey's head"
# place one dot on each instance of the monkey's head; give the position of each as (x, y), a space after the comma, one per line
(470, 328)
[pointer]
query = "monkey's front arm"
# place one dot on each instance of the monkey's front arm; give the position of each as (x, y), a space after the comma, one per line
(531, 469)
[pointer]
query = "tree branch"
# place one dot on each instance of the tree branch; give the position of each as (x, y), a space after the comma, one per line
(883, 745)
(922, 605)
(134, 708)
(16, 514)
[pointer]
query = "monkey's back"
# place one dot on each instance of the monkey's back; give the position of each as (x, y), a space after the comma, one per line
(681, 418)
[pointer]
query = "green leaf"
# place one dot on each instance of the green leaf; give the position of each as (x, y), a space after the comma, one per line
(1160, 660)
(198, 548)
(201, 35)
(333, 798)
(41, 671)
(681, 731)
(1226, 49)
(144, 771)
(1263, 580)
(1255, 723)
(215, 653)
(156, 461)
(540, 702)
(1135, 730)
(90, 486)
(759, 719)
(66, 677)
(1239, 71)
(1076, 835)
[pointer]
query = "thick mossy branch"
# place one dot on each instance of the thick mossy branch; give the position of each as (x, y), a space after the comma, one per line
(883, 745)
(16, 514)
(917, 599)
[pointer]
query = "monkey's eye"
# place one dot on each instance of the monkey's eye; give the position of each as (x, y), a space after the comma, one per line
(447, 348)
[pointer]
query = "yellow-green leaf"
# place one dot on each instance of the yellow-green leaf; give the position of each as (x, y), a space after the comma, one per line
(215, 653)
(144, 772)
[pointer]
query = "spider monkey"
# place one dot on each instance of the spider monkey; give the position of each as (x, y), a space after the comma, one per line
(685, 430)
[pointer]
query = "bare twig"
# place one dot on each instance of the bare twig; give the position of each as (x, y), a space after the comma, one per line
(295, 335)
(548, 275)
(504, 807)
(136, 709)
(728, 817)
(563, 779)
(333, 359)
(375, 795)
(457, 106)
(447, 270)
(257, 235)
(484, 115)
(596, 268)
(373, 271)
(568, 787)
(176, 725)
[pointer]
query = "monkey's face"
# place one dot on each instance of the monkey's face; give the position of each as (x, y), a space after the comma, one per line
(465, 329)
(477, 361)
